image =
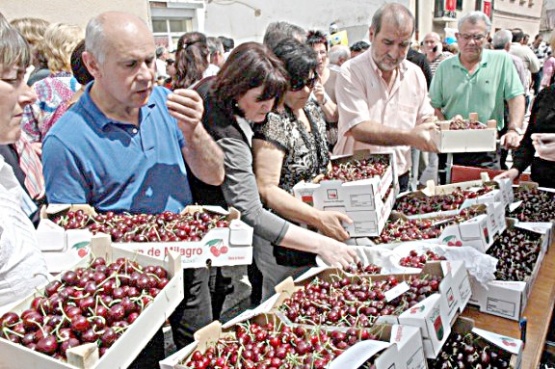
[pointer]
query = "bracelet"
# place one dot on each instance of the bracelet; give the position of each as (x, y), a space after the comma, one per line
(324, 102)
(515, 130)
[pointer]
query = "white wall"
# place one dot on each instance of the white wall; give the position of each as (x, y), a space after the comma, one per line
(71, 11)
(239, 21)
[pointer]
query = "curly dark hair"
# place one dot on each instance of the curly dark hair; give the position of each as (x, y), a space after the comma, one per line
(299, 59)
(316, 37)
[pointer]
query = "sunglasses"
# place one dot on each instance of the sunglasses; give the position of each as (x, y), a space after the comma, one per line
(297, 84)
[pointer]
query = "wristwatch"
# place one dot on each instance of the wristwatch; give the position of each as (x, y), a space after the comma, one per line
(324, 101)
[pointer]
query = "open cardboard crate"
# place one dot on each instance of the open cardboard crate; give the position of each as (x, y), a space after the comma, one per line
(448, 140)
(388, 258)
(367, 202)
(503, 193)
(396, 347)
(430, 315)
(129, 344)
(507, 298)
(477, 232)
(236, 240)
(511, 348)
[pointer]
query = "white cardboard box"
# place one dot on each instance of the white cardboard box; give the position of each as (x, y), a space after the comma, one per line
(506, 298)
(444, 301)
(368, 202)
(465, 140)
(511, 347)
(236, 240)
(398, 347)
(129, 345)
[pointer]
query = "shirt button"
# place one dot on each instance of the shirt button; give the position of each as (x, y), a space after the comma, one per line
(134, 130)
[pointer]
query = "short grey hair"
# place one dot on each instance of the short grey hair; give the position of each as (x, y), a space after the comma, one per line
(338, 52)
(278, 31)
(501, 38)
(473, 18)
(95, 39)
(398, 12)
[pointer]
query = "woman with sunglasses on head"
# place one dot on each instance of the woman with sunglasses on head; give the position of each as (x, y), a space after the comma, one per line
(319, 43)
(247, 88)
(290, 147)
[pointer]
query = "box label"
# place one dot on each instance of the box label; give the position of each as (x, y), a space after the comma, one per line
(501, 307)
(362, 200)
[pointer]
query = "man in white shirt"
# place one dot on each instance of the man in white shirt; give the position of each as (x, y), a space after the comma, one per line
(531, 62)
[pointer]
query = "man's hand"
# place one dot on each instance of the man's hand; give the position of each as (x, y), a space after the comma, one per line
(421, 137)
(544, 143)
(186, 106)
(337, 254)
(510, 140)
(330, 224)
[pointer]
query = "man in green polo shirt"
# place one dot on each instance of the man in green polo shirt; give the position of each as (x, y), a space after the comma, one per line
(480, 81)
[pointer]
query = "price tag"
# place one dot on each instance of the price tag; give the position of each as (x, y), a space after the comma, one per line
(396, 291)
(514, 205)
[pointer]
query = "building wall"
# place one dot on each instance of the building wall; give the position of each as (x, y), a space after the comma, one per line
(524, 14)
(246, 20)
(71, 11)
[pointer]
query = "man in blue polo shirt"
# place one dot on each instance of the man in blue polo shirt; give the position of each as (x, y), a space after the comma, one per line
(122, 147)
(479, 80)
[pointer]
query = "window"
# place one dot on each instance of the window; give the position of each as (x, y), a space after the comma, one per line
(459, 4)
(167, 31)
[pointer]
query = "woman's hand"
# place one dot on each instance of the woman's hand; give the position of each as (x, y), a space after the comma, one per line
(512, 174)
(331, 224)
(337, 254)
(544, 143)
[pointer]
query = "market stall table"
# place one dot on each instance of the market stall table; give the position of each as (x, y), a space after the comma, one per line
(538, 311)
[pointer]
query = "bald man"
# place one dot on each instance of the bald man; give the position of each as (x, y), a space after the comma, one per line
(433, 49)
(125, 144)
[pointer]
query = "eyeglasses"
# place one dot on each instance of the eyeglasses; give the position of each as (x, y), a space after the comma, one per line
(297, 84)
(475, 37)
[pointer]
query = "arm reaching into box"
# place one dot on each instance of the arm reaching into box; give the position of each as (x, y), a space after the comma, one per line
(267, 167)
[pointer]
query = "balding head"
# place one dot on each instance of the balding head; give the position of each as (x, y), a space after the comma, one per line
(339, 54)
(110, 29)
(432, 44)
(396, 13)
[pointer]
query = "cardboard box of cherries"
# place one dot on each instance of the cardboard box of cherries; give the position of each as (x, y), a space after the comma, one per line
(100, 314)
(200, 234)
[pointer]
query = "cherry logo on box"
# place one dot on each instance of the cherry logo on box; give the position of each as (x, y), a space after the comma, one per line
(217, 247)
(82, 248)
(417, 309)
(508, 342)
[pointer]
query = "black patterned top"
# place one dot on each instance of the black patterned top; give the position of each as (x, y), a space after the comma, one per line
(306, 153)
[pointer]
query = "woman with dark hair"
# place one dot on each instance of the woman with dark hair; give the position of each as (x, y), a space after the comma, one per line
(191, 59)
(249, 85)
(290, 147)
(319, 43)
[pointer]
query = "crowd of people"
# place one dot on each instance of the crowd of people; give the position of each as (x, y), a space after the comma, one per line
(108, 118)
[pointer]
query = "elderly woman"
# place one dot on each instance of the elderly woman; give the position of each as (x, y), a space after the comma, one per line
(319, 43)
(59, 42)
(22, 267)
(290, 147)
(245, 90)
